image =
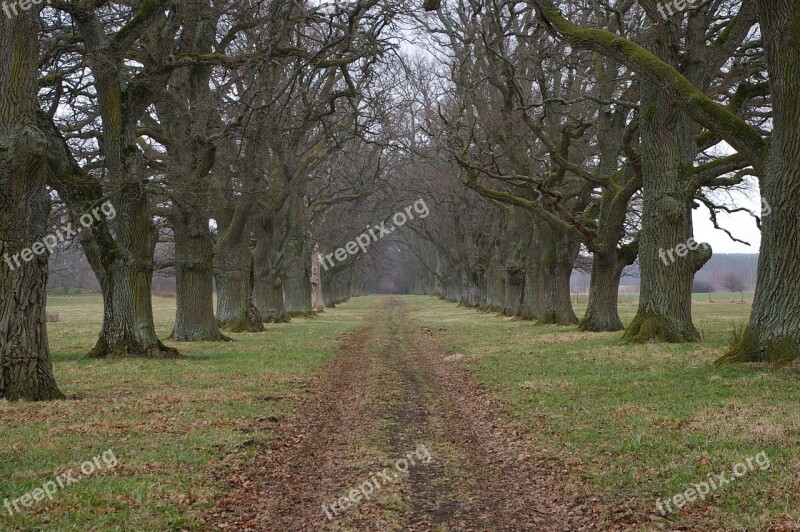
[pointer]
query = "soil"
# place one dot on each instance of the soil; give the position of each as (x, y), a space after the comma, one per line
(393, 394)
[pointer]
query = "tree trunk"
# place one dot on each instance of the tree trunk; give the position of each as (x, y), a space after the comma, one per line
(610, 256)
(194, 278)
(533, 301)
(514, 290)
(773, 333)
(328, 289)
(495, 283)
(665, 299)
(602, 314)
(518, 246)
(123, 266)
(268, 283)
(559, 252)
(233, 266)
(26, 371)
(297, 280)
(317, 299)
(341, 287)
(128, 329)
(455, 285)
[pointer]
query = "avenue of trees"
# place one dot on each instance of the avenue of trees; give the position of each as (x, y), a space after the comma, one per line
(251, 138)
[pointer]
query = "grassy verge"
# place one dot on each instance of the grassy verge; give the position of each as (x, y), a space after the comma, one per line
(639, 423)
(170, 424)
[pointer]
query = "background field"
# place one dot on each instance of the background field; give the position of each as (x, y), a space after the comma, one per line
(631, 423)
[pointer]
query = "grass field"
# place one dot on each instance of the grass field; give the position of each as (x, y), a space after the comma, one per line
(171, 424)
(639, 423)
(633, 423)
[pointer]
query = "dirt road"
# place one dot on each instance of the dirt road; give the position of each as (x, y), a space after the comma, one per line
(392, 418)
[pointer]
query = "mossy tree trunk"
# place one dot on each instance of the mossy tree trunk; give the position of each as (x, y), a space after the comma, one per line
(233, 259)
(665, 299)
(26, 371)
(495, 283)
(126, 283)
(773, 333)
(297, 271)
(471, 274)
(533, 303)
(610, 254)
(233, 268)
(328, 289)
(194, 280)
(185, 117)
(602, 312)
(559, 252)
(268, 279)
(124, 266)
(122, 262)
(517, 245)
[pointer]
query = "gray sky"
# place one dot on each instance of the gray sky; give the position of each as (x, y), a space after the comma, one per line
(741, 225)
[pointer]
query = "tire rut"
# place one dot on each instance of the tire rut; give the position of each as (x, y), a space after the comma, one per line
(389, 392)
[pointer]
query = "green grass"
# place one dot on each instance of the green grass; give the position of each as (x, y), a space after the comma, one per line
(171, 424)
(634, 423)
(641, 422)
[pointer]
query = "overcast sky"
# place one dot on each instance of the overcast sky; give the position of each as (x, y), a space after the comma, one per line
(741, 225)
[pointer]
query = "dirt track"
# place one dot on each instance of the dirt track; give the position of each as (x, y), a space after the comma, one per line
(390, 391)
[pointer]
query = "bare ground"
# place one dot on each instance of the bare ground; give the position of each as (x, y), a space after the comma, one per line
(391, 390)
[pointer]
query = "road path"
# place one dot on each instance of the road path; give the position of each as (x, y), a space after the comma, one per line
(394, 419)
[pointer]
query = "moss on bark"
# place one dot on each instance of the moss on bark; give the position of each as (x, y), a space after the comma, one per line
(649, 327)
(747, 346)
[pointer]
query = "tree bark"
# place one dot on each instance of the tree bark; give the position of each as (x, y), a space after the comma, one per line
(268, 285)
(602, 314)
(26, 371)
(559, 252)
(328, 289)
(297, 281)
(126, 283)
(773, 333)
(519, 246)
(233, 268)
(123, 266)
(185, 115)
(194, 278)
(665, 299)
(514, 290)
(317, 300)
(495, 285)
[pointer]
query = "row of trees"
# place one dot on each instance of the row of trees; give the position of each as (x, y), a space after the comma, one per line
(230, 130)
(599, 127)
(254, 136)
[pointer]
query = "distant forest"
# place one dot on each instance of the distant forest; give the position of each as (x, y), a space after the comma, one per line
(70, 273)
(724, 272)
